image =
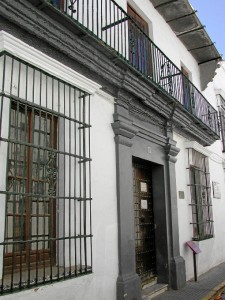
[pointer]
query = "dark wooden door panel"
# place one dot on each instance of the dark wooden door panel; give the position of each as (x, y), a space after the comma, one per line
(144, 223)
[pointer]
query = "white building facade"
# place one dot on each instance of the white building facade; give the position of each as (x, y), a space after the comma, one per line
(210, 196)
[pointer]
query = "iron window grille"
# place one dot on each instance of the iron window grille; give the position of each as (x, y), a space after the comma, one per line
(45, 189)
(200, 192)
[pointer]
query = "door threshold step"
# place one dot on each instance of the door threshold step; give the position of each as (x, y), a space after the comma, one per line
(150, 283)
(150, 292)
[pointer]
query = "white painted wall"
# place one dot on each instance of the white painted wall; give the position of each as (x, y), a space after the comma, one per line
(212, 249)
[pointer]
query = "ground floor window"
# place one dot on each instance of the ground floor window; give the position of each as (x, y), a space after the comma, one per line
(45, 189)
(32, 180)
(200, 192)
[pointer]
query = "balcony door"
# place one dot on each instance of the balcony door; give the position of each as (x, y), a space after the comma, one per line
(139, 44)
(186, 89)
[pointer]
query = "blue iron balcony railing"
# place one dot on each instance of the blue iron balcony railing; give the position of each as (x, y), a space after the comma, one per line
(108, 22)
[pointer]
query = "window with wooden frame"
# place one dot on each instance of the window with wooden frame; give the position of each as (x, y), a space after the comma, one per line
(188, 96)
(32, 178)
(139, 44)
(58, 3)
(45, 180)
(200, 193)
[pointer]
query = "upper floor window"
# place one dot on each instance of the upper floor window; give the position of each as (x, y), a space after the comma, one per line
(45, 188)
(58, 3)
(200, 192)
(222, 119)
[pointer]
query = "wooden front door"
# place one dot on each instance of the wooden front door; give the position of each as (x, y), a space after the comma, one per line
(144, 222)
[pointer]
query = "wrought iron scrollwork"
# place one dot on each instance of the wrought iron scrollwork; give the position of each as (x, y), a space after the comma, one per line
(166, 74)
(71, 6)
(51, 170)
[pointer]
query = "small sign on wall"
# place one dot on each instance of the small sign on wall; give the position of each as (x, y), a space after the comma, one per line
(216, 190)
(143, 187)
(181, 194)
(144, 204)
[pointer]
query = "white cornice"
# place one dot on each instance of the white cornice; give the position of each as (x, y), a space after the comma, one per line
(35, 57)
(197, 147)
(220, 92)
(210, 154)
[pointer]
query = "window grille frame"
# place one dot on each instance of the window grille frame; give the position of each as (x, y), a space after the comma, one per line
(69, 108)
(200, 196)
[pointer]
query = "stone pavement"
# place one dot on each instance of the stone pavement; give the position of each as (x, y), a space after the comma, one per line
(207, 286)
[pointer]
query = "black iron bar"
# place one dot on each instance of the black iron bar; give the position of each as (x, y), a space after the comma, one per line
(181, 17)
(97, 18)
(110, 21)
(165, 3)
(57, 199)
(44, 196)
(190, 31)
(52, 200)
(89, 155)
(64, 180)
(14, 157)
(7, 167)
(205, 46)
(57, 114)
(80, 186)
(47, 141)
(44, 148)
(75, 183)
(70, 192)
(101, 19)
(84, 184)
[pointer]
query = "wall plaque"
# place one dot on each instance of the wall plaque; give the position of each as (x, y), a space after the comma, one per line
(216, 190)
(194, 247)
(143, 187)
(144, 204)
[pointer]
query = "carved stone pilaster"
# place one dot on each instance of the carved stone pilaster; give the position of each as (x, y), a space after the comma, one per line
(177, 271)
(128, 282)
(171, 151)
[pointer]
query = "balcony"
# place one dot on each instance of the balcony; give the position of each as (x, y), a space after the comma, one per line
(106, 21)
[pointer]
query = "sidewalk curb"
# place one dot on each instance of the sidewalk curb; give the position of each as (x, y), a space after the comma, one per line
(215, 291)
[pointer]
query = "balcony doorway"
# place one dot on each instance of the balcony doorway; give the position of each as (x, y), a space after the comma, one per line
(139, 44)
